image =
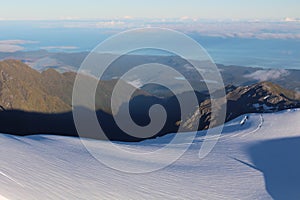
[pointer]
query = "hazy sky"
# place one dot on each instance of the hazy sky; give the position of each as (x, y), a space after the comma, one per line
(217, 9)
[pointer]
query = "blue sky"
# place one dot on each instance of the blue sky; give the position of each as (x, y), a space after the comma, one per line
(209, 9)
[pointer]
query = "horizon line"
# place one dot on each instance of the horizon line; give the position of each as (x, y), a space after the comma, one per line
(128, 18)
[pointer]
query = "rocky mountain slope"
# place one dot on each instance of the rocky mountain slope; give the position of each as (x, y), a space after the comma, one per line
(23, 88)
(262, 97)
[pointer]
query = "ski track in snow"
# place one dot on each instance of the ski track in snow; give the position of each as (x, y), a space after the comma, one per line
(56, 167)
(8, 177)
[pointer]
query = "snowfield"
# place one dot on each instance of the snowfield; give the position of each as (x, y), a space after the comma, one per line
(256, 159)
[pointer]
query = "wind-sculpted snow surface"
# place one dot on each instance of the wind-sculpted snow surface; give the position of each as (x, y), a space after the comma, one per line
(258, 159)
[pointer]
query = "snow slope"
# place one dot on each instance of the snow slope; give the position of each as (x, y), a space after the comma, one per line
(246, 163)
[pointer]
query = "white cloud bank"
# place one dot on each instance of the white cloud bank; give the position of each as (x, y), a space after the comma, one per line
(288, 28)
(59, 48)
(9, 46)
(266, 75)
(289, 19)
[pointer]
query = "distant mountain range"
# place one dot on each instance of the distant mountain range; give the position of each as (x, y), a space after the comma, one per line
(34, 102)
(42, 60)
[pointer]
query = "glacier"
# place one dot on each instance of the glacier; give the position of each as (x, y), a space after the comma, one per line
(257, 160)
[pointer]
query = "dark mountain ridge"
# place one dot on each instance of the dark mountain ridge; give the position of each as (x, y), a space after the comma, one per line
(264, 97)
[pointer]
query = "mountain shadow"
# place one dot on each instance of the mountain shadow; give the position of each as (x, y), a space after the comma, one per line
(279, 161)
(23, 123)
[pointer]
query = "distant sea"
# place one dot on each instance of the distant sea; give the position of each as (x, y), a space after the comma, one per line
(266, 53)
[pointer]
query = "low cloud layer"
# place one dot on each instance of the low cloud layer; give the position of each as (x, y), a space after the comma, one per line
(10, 46)
(267, 75)
(59, 47)
(7, 48)
(288, 28)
